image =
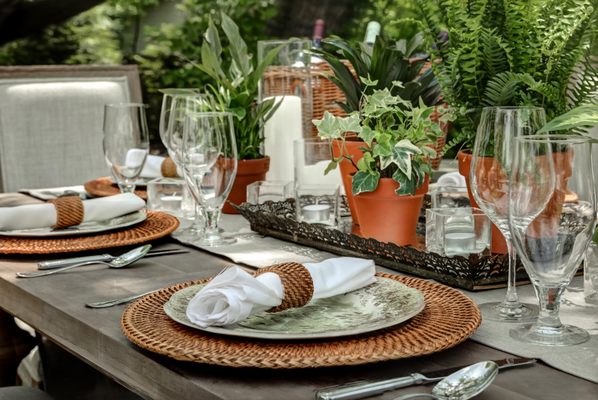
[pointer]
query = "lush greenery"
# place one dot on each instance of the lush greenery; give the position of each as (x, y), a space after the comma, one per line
(384, 63)
(399, 18)
(516, 52)
(234, 78)
(399, 138)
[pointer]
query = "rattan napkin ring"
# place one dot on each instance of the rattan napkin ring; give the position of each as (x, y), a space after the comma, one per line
(168, 168)
(69, 211)
(296, 282)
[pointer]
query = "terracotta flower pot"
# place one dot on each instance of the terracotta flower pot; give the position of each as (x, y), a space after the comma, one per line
(389, 217)
(248, 171)
(498, 245)
(351, 147)
(548, 222)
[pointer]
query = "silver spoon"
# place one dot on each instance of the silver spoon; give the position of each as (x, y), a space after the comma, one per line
(461, 385)
(119, 262)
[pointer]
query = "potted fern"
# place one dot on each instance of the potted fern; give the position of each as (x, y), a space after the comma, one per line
(513, 53)
(371, 69)
(391, 175)
(234, 86)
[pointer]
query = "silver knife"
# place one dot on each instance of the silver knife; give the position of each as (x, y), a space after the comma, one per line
(99, 257)
(361, 389)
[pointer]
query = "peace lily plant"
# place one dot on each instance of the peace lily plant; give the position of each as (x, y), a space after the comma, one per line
(399, 139)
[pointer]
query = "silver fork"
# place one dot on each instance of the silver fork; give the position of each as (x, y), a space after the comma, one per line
(115, 302)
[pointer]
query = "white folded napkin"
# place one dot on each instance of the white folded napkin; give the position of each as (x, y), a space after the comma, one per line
(451, 179)
(152, 167)
(44, 215)
(234, 294)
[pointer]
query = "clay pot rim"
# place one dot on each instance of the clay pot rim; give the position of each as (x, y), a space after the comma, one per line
(372, 193)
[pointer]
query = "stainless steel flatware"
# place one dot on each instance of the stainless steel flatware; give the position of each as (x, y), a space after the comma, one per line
(45, 265)
(361, 389)
(115, 302)
(464, 384)
(119, 262)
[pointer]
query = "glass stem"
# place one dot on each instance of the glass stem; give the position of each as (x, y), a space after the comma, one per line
(212, 217)
(550, 301)
(198, 221)
(511, 298)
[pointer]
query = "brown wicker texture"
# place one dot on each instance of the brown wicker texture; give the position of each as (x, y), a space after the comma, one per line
(326, 95)
(157, 225)
(69, 211)
(447, 320)
(296, 281)
(168, 168)
(103, 187)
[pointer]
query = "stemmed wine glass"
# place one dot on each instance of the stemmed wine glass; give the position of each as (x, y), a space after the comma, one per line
(489, 177)
(126, 142)
(552, 216)
(210, 166)
(175, 104)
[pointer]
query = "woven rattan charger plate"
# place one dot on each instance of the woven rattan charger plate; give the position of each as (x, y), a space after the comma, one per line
(157, 225)
(104, 186)
(448, 319)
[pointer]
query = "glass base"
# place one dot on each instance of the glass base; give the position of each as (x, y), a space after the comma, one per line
(565, 335)
(214, 241)
(500, 312)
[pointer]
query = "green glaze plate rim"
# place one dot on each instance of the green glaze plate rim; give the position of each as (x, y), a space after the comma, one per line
(85, 228)
(380, 305)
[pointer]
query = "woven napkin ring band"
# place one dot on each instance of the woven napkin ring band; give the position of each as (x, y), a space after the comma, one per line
(168, 168)
(296, 282)
(69, 211)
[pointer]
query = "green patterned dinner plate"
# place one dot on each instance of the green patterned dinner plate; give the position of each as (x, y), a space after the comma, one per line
(380, 305)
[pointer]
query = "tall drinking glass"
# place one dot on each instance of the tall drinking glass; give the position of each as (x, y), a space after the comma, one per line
(126, 142)
(210, 166)
(175, 105)
(552, 216)
(489, 177)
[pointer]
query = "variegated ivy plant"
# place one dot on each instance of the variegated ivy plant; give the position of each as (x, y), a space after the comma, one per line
(398, 136)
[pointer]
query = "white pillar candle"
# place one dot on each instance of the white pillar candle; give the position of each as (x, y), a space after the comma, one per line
(459, 242)
(279, 133)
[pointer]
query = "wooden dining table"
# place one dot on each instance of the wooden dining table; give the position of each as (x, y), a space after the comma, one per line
(55, 307)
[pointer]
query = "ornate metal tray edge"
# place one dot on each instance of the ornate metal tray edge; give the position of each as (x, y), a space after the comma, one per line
(477, 272)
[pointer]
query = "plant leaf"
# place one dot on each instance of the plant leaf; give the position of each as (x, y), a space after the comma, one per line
(365, 182)
(407, 185)
(585, 116)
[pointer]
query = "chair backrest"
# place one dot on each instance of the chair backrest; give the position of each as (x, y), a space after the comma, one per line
(51, 122)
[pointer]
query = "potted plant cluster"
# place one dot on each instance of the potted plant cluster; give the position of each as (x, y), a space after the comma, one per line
(234, 86)
(515, 53)
(393, 169)
(383, 64)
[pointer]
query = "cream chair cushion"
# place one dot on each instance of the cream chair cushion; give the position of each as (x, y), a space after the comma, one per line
(51, 128)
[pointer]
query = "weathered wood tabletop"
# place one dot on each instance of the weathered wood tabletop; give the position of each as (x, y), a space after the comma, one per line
(54, 305)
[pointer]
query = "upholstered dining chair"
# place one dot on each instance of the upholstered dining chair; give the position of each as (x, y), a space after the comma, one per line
(51, 122)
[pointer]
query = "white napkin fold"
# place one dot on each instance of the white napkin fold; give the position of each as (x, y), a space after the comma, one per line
(234, 294)
(451, 179)
(44, 215)
(152, 167)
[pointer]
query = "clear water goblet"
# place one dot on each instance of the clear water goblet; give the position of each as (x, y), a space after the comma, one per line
(175, 104)
(126, 142)
(552, 216)
(210, 166)
(489, 177)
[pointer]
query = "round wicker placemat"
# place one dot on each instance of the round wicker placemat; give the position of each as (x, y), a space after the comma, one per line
(448, 319)
(103, 187)
(157, 225)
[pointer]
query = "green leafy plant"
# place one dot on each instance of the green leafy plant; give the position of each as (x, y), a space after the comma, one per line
(513, 53)
(383, 63)
(398, 140)
(582, 117)
(234, 84)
